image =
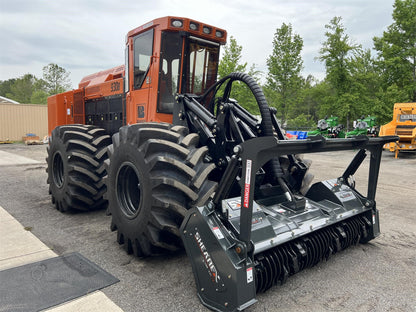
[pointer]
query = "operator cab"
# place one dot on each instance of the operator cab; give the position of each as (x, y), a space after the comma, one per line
(167, 56)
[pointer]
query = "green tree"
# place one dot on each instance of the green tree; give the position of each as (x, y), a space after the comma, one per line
(28, 89)
(284, 67)
(386, 99)
(39, 94)
(366, 84)
(5, 87)
(56, 79)
(336, 53)
(39, 97)
(397, 50)
(22, 88)
(305, 115)
(231, 62)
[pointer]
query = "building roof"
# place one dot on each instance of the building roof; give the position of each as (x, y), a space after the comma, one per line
(5, 100)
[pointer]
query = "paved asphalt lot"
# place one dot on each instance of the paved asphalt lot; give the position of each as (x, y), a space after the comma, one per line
(378, 276)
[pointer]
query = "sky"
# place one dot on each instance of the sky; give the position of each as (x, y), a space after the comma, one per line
(85, 37)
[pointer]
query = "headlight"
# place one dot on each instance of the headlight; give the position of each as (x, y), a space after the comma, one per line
(219, 34)
(177, 23)
(193, 26)
(207, 30)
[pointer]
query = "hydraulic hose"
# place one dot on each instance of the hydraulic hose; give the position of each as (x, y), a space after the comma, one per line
(272, 166)
(258, 94)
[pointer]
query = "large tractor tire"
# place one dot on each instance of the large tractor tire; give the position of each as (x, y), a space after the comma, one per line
(156, 172)
(76, 155)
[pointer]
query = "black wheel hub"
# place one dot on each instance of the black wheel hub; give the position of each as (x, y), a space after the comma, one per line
(58, 170)
(128, 189)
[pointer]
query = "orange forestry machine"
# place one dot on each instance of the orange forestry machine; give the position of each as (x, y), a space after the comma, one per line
(166, 56)
(179, 163)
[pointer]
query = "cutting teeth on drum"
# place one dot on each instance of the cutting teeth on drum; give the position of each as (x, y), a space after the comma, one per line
(276, 265)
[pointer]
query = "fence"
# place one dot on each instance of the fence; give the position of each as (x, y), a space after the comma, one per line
(18, 120)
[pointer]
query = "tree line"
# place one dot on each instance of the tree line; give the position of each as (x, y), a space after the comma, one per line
(30, 89)
(356, 82)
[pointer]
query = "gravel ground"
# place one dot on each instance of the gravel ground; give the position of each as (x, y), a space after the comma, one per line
(378, 276)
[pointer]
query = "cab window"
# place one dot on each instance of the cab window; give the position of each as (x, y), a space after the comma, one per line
(202, 66)
(170, 65)
(143, 48)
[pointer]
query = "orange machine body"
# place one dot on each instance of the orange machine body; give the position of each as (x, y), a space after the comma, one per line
(402, 125)
(164, 57)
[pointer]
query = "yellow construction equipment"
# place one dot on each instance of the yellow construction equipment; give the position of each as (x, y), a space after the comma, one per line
(402, 125)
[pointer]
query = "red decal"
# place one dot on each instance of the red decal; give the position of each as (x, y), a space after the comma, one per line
(246, 195)
(247, 184)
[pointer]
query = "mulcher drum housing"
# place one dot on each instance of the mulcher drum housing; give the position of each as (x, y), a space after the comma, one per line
(240, 247)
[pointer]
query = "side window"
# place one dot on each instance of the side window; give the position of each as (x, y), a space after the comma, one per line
(170, 62)
(126, 70)
(143, 48)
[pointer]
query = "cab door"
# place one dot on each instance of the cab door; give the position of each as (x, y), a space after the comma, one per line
(140, 80)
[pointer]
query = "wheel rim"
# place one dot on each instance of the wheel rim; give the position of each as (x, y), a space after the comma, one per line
(128, 189)
(58, 170)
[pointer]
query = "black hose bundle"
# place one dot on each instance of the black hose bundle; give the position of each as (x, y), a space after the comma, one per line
(266, 120)
(274, 171)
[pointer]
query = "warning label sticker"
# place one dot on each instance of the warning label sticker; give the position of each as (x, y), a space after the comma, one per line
(234, 204)
(249, 275)
(345, 196)
(217, 232)
(247, 184)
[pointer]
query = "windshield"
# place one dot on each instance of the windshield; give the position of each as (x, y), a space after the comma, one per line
(202, 66)
(199, 74)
